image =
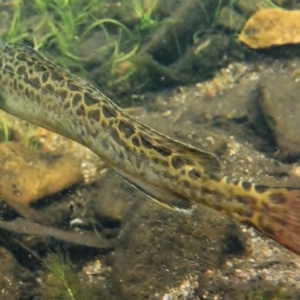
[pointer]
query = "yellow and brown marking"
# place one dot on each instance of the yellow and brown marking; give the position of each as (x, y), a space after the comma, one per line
(172, 172)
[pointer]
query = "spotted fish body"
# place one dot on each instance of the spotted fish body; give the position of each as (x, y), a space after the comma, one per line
(171, 172)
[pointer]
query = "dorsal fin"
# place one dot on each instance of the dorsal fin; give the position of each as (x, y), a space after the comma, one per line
(208, 162)
(189, 154)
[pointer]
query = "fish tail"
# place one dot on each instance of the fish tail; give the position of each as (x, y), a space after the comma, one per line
(276, 213)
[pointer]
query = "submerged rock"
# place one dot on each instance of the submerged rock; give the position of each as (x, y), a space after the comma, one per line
(281, 110)
(28, 175)
(271, 27)
(158, 247)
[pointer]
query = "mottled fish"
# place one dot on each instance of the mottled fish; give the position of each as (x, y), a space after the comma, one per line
(174, 173)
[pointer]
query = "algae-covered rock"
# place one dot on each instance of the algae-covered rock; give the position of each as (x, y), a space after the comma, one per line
(250, 7)
(28, 175)
(281, 110)
(271, 27)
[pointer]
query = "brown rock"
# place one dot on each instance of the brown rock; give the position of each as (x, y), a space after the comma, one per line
(271, 27)
(28, 175)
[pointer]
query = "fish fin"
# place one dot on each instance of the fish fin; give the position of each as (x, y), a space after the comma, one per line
(163, 196)
(210, 164)
(189, 155)
(279, 219)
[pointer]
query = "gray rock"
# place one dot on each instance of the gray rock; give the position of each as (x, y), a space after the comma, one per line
(280, 104)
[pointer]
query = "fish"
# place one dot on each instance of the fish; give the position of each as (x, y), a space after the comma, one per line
(173, 173)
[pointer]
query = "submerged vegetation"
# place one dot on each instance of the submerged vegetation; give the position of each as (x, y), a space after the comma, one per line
(61, 27)
(62, 282)
(129, 44)
(141, 12)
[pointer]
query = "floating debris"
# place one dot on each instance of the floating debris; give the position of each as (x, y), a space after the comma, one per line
(22, 226)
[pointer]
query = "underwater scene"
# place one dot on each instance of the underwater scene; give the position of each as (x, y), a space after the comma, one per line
(149, 149)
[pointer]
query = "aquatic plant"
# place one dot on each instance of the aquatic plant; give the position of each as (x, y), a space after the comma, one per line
(60, 278)
(62, 282)
(5, 130)
(61, 27)
(14, 31)
(271, 3)
(65, 21)
(30, 139)
(143, 11)
(139, 14)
